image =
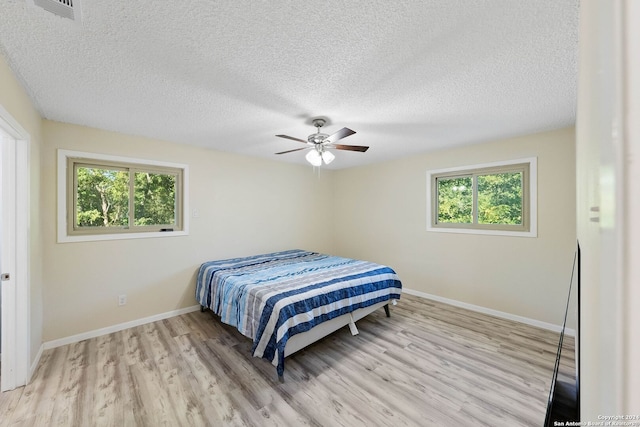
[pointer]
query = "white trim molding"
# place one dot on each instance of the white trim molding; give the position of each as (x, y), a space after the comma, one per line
(116, 328)
(35, 363)
(491, 312)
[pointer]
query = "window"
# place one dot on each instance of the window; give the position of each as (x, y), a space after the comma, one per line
(496, 198)
(107, 197)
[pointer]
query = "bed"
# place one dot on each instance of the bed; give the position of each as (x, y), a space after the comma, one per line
(287, 300)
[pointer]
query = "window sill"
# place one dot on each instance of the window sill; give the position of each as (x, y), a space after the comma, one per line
(485, 232)
(121, 236)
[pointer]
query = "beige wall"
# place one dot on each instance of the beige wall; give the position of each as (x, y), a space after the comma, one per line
(15, 100)
(381, 216)
(246, 206)
(249, 205)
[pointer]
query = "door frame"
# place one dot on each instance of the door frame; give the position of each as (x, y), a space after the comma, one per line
(16, 331)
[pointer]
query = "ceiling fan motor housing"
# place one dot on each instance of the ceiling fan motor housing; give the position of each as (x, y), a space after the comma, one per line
(317, 138)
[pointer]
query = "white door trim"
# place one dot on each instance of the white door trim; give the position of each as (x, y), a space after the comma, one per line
(16, 331)
(631, 250)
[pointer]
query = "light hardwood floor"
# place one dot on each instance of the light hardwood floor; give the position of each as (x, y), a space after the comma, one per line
(430, 364)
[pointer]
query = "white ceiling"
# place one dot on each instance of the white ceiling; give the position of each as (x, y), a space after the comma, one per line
(409, 76)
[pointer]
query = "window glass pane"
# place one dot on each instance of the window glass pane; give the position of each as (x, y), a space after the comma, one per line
(455, 200)
(500, 198)
(102, 197)
(155, 199)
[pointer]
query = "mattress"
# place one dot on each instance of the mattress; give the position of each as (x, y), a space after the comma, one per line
(271, 297)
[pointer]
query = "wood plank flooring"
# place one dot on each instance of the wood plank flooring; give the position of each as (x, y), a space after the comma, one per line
(430, 364)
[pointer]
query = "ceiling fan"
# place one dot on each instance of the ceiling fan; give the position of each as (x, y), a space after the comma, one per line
(319, 143)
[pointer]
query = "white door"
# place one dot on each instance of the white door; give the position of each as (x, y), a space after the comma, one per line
(14, 252)
(7, 256)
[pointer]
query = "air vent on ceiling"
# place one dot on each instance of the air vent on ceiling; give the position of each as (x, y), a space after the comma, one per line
(69, 9)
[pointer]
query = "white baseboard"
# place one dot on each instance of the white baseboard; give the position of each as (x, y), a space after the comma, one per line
(119, 327)
(496, 313)
(34, 365)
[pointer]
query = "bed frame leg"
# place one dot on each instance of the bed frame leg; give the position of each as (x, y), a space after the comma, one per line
(352, 326)
(386, 310)
(281, 378)
(202, 308)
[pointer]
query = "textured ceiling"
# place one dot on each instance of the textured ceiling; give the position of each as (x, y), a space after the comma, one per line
(408, 76)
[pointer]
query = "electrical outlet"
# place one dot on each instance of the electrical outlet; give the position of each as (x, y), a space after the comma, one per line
(122, 299)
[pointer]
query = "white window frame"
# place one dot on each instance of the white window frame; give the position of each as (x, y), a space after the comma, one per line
(64, 216)
(532, 191)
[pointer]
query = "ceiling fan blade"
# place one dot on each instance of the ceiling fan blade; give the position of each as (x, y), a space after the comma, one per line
(342, 133)
(292, 138)
(291, 151)
(360, 148)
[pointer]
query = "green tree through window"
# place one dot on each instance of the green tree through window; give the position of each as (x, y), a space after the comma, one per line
(102, 197)
(500, 198)
(455, 200)
(155, 196)
(112, 195)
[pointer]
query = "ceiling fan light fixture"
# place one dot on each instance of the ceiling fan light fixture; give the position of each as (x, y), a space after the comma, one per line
(314, 158)
(328, 157)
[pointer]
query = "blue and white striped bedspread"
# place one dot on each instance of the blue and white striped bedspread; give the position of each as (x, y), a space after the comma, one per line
(272, 297)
